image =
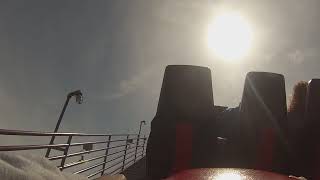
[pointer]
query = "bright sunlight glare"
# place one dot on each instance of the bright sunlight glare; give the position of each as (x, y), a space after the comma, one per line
(228, 176)
(230, 36)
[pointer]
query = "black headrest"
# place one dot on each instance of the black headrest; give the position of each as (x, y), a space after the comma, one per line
(313, 102)
(264, 98)
(186, 92)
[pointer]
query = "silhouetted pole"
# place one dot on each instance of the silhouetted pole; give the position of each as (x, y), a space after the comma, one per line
(79, 100)
(135, 154)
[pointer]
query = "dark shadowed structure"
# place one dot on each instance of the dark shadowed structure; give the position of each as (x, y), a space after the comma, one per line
(260, 142)
(296, 112)
(310, 146)
(181, 130)
(186, 92)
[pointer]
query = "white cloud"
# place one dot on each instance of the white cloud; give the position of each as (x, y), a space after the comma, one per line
(130, 85)
(296, 57)
(175, 11)
(126, 87)
(299, 56)
(267, 58)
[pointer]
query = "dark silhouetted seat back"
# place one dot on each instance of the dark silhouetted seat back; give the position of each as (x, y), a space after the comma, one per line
(262, 141)
(186, 93)
(185, 108)
(310, 145)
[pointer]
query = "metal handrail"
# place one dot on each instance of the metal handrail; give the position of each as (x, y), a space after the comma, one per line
(91, 167)
(96, 165)
(45, 146)
(88, 168)
(115, 170)
(37, 133)
(80, 162)
(84, 152)
(76, 154)
(91, 159)
(121, 167)
(29, 147)
(95, 158)
(125, 146)
(113, 165)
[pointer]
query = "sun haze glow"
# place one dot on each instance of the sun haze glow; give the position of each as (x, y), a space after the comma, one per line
(230, 36)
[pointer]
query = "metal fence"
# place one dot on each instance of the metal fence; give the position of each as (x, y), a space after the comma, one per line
(107, 153)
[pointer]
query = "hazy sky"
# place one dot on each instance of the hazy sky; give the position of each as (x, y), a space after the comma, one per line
(115, 51)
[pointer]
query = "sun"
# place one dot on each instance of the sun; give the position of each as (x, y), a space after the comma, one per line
(230, 36)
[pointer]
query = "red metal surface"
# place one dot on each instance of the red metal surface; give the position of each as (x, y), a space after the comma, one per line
(266, 150)
(227, 174)
(183, 147)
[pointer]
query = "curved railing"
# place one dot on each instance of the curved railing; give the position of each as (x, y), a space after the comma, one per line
(108, 153)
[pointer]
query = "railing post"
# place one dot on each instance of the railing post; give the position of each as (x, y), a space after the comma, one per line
(144, 142)
(106, 155)
(78, 95)
(65, 152)
(125, 154)
(58, 124)
(137, 144)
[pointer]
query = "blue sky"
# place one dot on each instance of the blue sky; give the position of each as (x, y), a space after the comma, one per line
(115, 51)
